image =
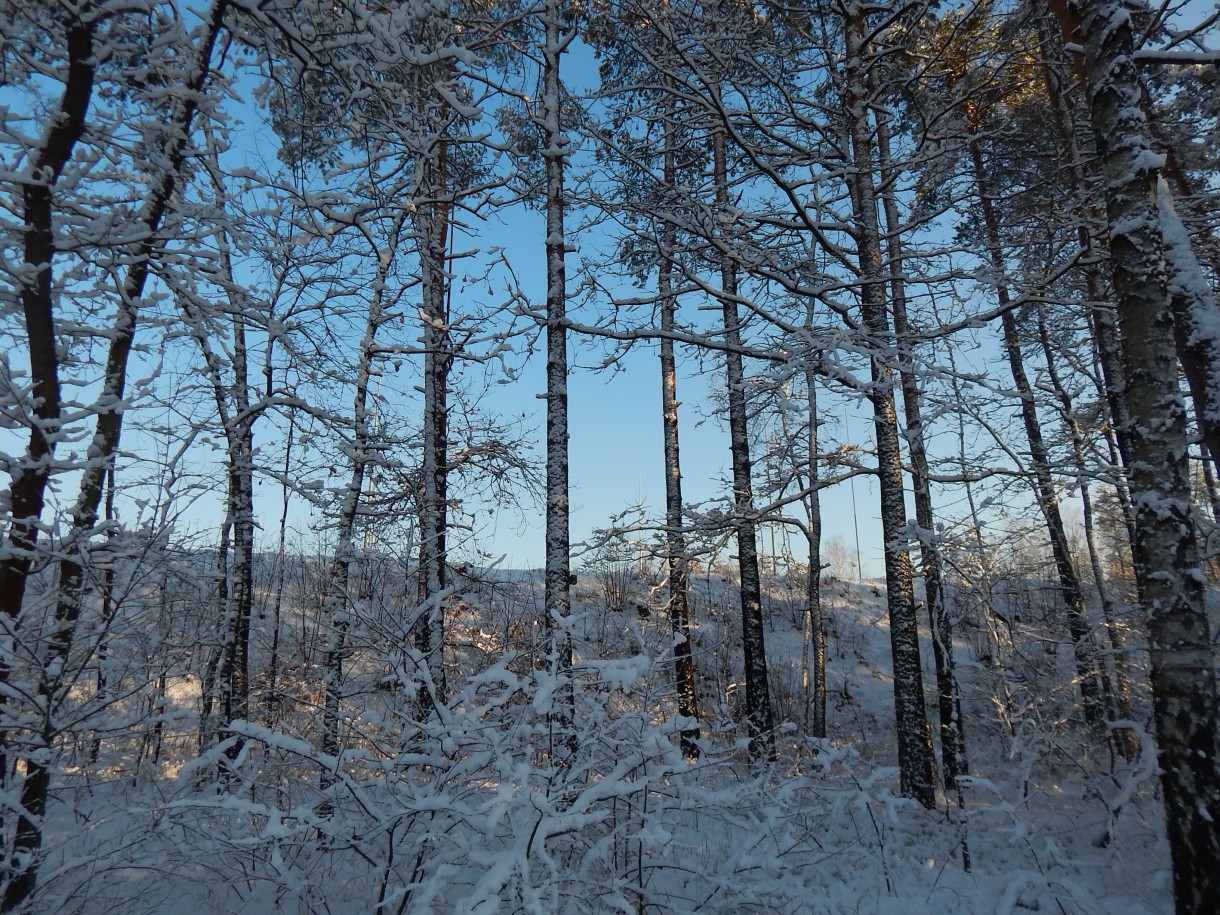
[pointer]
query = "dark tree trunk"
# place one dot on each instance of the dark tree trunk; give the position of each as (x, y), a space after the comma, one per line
(557, 600)
(815, 627)
(438, 359)
(281, 570)
(676, 557)
(915, 755)
(949, 705)
(760, 721)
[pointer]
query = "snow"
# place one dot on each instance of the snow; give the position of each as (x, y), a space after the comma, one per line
(535, 786)
(490, 826)
(1186, 277)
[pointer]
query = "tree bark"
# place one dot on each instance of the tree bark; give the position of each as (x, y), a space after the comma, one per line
(814, 636)
(676, 558)
(949, 705)
(557, 600)
(915, 756)
(1167, 562)
(1196, 322)
(433, 231)
(760, 720)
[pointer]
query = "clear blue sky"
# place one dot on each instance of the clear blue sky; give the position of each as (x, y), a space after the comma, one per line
(615, 424)
(616, 454)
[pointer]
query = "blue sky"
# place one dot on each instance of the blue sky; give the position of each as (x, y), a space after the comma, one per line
(616, 455)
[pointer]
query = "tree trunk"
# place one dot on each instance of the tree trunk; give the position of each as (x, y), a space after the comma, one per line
(214, 675)
(915, 755)
(1209, 482)
(949, 704)
(281, 571)
(1124, 737)
(815, 628)
(335, 610)
(557, 599)
(109, 608)
(1196, 321)
(760, 721)
(1167, 562)
(433, 232)
(676, 557)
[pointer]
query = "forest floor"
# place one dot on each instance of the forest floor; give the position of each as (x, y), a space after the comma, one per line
(470, 813)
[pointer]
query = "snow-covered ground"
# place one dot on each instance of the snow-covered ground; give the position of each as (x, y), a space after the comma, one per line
(472, 813)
